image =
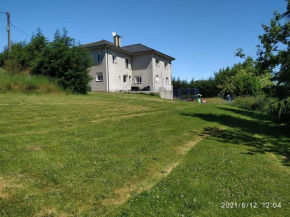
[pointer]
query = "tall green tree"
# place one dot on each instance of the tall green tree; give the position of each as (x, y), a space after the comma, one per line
(64, 61)
(274, 55)
(241, 79)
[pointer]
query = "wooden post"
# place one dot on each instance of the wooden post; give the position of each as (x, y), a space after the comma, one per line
(8, 31)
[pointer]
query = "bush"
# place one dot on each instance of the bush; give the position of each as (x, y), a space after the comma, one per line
(258, 103)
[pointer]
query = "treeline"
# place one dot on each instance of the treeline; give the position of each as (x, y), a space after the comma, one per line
(243, 79)
(261, 84)
(207, 87)
(61, 59)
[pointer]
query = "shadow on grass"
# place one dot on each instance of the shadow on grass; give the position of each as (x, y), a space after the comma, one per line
(249, 114)
(257, 134)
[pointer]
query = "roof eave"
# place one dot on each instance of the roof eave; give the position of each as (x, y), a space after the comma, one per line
(164, 55)
(153, 51)
(108, 46)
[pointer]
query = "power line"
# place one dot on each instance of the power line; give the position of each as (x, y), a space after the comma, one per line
(3, 12)
(19, 29)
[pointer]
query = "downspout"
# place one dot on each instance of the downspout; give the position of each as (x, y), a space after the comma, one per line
(107, 69)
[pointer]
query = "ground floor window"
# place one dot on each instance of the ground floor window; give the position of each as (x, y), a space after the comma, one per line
(125, 78)
(99, 76)
(138, 79)
(157, 78)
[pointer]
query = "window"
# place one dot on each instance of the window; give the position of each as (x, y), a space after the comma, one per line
(157, 78)
(114, 58)
(99, 57)
(157, 62)
(165, 65)
(125, 78)
(99, 76)
(167, 80)
(138, 80)
(127, 63)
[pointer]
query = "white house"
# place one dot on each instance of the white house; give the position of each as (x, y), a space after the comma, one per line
(129, 68)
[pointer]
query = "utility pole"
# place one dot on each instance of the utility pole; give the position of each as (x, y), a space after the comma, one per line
(8, 31)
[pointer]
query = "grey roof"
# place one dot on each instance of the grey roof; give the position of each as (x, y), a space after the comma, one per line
(98, 43)
(136, 48)
(102, 43)
(132, 49)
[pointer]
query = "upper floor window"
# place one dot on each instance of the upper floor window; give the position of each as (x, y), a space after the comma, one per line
(165, 65)
(157, 62)
(167, 80)
(99, 76)
(138, 80)
(127, 63)
(99, 57)
(114, 58)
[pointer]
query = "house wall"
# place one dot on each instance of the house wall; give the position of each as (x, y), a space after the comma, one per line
(117, 70)
(162, 73)
(97, 68)
(142, 66)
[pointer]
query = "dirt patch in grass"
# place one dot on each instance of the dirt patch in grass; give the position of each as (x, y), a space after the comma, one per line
(34, 148)
(279, 164)
(5, 185)
(118, 118)
(128, 108)
(186, 147)
(51, 212)
(132, 188)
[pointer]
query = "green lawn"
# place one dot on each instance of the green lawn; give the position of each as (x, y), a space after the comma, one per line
(136, 155)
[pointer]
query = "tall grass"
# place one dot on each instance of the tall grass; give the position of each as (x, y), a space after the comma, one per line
(10, 82)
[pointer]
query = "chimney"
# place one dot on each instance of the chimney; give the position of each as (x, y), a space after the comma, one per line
(117, 39)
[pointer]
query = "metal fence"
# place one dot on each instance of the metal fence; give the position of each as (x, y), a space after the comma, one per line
(185, 93)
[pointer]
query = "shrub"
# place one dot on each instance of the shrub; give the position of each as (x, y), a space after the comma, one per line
(259, 103)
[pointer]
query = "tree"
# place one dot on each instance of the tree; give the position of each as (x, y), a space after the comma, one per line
(241, 79)
(274, 55)
(15, 60)
(63, 60)
(60, 59)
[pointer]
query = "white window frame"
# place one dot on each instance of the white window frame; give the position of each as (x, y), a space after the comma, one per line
(167, 80)
(99, 77)
(157, 79)
(114, 59)
(138, 80)
(157, 62)
(99, 60)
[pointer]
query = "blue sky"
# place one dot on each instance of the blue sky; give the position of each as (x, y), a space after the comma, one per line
(202, 35)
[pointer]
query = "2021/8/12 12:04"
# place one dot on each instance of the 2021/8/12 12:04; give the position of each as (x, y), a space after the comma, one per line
(254, 205)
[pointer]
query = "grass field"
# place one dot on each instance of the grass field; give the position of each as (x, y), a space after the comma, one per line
(136, 155)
